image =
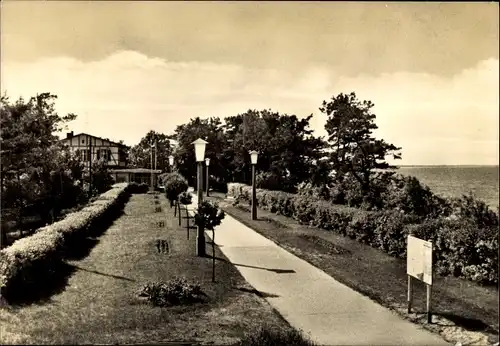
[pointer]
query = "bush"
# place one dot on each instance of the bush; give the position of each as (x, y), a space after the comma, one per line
(319, 192)
(185, 198)
(208, 215)
(468, 207)
(138, 188)
(174, 292)
(461, 248)
(273, 181)
(466, 242)
(218, 185)
(268, 336)
(175, 184)
(409, 195)
(28, 259)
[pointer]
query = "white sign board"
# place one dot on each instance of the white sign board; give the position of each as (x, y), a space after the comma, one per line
(419, 259)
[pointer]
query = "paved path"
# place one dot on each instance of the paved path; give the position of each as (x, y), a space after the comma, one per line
(308, 298)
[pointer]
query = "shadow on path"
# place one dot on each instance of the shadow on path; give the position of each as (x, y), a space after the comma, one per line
(277, 271)
(210, 243)
(257, 292)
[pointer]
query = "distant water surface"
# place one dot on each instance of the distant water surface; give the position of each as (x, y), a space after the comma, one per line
(454, 181)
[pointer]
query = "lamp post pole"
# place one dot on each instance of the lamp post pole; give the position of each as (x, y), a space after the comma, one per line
(151, 180)
(199, 146)
(253, 157)
(207, 162)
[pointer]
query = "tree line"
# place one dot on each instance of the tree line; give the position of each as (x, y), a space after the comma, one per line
(40, 177)
(289, 153)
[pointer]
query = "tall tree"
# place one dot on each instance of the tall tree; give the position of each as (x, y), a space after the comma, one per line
(287, 149)
(30, 149)
(353, 148)
(140, 154)
(210, 130)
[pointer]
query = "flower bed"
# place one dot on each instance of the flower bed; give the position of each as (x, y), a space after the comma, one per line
(28, 259)
(463, 247)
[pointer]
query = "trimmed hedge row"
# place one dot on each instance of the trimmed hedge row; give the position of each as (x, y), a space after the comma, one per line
(462, 247)
(30, 258)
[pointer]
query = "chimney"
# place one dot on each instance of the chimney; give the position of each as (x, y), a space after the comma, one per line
(69, 135)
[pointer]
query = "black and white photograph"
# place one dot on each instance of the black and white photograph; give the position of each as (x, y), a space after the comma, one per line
(247, 173)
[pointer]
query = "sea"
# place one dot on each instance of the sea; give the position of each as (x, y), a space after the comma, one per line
(455, 181)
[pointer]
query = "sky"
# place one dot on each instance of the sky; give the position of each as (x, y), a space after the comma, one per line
(431, 69)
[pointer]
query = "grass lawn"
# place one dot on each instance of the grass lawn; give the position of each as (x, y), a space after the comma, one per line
(99, 303)
(465, 311)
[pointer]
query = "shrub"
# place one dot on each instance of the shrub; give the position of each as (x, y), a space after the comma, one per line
(409, 195)
(308, 189)
(468, 207)
(28, 259)
(185, 198)
(174, 292)
(268, 336)
(274, 182)
(175, 184)
(465, 242)
(208, 215)
(138, 188)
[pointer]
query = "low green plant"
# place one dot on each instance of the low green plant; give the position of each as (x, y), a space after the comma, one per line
(465, 236)
(175, 184)
(173, 292)
(185, 198)
(208, 215)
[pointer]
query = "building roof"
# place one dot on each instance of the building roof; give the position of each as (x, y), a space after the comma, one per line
(135, 170)
(103, 139)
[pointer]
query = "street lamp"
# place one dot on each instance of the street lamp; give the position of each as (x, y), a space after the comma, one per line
(207, 163)
(253, 159)
(171, 162)
(199, 151)
(152, 146)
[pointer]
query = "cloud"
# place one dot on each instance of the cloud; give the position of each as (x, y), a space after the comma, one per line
(436, 120)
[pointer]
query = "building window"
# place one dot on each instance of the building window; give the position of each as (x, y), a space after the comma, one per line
(83, 141)
(85, 155)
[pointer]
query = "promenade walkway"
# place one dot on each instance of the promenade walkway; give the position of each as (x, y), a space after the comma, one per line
(309, 299)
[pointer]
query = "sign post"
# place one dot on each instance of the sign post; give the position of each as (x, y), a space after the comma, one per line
(419, 266)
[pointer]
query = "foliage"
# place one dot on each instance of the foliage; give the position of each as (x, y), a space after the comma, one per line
(406, 193)
(101, 178)
(208, 215)
(139, 188)
(268, 336)
(36, 170)
(30, 258)
(461, 248)
(185, 198)
(173, 292)
(210, 130)
(466, 243)
(478, 212)
(272, 181)
(286, 146)
(175, 184)
(140, 154)
(318, 192)
(354, 150)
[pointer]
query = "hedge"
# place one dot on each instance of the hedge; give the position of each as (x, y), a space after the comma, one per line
(463, 247)
(29, 259)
